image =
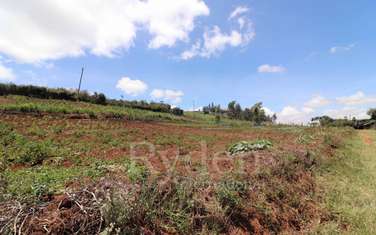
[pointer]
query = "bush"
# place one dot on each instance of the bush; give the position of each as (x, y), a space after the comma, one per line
(34, 153)
(177, 111)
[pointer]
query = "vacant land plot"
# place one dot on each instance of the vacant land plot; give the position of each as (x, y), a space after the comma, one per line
(90, 175)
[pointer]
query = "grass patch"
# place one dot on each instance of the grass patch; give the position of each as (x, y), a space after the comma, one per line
(349, 180)
(28, 105)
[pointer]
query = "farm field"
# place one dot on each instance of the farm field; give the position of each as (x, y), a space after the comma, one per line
(162, 174)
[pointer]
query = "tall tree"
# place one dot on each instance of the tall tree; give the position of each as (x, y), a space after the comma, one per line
(372, 113)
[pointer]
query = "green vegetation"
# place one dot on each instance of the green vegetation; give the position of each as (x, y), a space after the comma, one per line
(26, 105)
(349, 181)
(84, 96)
(199, 118)
(256, 114)
(244, 146)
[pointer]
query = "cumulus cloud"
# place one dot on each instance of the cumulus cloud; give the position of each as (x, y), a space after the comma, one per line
(348, 106)
(131, 87)
(268, 111)
(358, 98)
(349, 112)
(316, 102)
(214, 40)
(266, 68)
(336, 49)
(290, 114)
(174, 96)
(6, 74)
(39, 30)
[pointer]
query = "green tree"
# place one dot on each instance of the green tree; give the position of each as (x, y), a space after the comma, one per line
(372, 113)
(231, 109)
(238, 111)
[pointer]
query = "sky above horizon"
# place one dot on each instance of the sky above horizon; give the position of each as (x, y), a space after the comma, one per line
(300, 58)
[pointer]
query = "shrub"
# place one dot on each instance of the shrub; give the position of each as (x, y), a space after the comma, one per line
(177, 111)
(34, 153)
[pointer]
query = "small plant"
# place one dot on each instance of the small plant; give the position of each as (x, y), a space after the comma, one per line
(217, 119)
(34, 153)
(57, 129)
(39, 190)
(305, 139)
(245, 146)
(136, 172)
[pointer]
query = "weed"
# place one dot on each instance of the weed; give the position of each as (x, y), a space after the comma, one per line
(57, 129)
(37, 131)
(136, 172)
(35, 153)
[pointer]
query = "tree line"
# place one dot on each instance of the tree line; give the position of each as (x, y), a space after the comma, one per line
(84, 96)
(255, 114)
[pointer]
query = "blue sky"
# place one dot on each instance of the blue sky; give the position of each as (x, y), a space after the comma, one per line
(300, 58)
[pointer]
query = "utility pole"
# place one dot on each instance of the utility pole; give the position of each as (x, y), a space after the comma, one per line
(79, 85)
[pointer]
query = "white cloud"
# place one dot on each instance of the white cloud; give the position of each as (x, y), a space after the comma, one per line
(358, 98)
(38, 30)
(316, 102)
(349, 112)
(195, 110)
(6, 74)
(289, 111)
(194, 51)
(337, 49)
(131, 87)
(291, 114)
(350, 106)
(216, 41)
(174, 96)
(266, 68)
(238, 11)
(268, 111)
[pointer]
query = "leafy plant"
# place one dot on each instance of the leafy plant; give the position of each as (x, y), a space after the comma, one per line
(245, 146)
(35, 153)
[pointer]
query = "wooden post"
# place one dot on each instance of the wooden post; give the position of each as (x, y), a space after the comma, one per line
(79, 85)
